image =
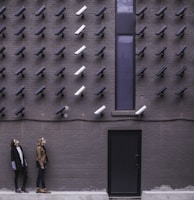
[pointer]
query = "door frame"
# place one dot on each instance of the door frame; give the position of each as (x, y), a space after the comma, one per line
(139, 132)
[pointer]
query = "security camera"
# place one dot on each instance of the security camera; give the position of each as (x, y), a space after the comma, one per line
(141, 31)
(181, 72)
(80, 71)
(2, 31)
(161, 12)
(100, 31)
(181, 52)
(181, 32)
(40, 11)
(141, 52)
(100, 92)
(100, 12)
(21, 31)
(141, 110)
(60, 51)
(81, 11)
(2, 10)
(2, 69)
(60, 110)
(100, 110)
(80, 50)
(40, 72)
(40, 91)
(60, 72)
(161, 72)
(161, 92)
(20, 111)
(141, 12)
(181, 12)
(80, 30)
(40, 52)
(60, 31)
(20, 72)
(101, 72)
(20, 52)
(161, 31)
(100, 51)
(61, 12)
(20, 91)
(41, 31)
(2, 50)
(140, 73)
(2, 91)
(180, 92)
(21, 12)
(161, 53)
(2, 111)
(60, 92)
(80, 91)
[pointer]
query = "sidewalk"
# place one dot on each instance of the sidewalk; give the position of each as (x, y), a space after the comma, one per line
(54, 195)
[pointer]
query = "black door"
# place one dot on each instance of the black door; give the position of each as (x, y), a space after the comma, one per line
(124, 162)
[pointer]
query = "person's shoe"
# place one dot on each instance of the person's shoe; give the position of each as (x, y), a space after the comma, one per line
(24, 190)
(17, 190)
(45, 191)
(38, 190)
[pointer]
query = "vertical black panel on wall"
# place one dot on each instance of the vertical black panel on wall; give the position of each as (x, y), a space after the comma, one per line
(125, 23)
(125, 28)
(125, 73)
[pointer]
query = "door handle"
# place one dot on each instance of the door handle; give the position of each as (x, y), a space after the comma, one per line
(138, 157)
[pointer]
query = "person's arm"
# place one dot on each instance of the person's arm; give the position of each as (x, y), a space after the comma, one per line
(13, 164)
(39, 157)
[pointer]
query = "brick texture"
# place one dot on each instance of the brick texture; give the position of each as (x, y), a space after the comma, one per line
(77, 145)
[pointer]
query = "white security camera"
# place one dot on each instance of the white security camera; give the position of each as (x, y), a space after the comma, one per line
(141, 110)
(80, 71)
(100, 110)
(81, 11)
(80, 91)
(80, 30)
(80, 50)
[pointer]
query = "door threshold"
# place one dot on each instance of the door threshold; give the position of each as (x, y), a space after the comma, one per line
(123, 198)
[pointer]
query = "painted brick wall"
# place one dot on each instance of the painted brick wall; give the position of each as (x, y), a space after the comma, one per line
(77, 150)
(77, 145)
(167, 144)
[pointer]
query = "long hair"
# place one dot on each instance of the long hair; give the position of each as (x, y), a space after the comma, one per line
(12, 144)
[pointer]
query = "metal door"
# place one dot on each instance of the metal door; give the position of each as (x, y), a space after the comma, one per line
(124, 162)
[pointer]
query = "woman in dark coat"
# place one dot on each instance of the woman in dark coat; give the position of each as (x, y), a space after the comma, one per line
(19, 165)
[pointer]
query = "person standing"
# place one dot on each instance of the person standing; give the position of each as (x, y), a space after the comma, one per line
(19, 165)
(42, 160)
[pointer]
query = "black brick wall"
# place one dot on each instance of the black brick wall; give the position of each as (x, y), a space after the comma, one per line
(77, 145)
(166, 145)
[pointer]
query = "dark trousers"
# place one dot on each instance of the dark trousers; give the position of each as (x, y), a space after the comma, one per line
(41, 178)
(22, 172)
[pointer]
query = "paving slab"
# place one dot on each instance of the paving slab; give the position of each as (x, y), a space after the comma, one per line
(7, 195)
(167, 195)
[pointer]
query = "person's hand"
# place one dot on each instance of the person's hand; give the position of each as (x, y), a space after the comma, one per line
(13, 165)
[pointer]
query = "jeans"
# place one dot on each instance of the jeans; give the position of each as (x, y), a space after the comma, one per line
(40, 178)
